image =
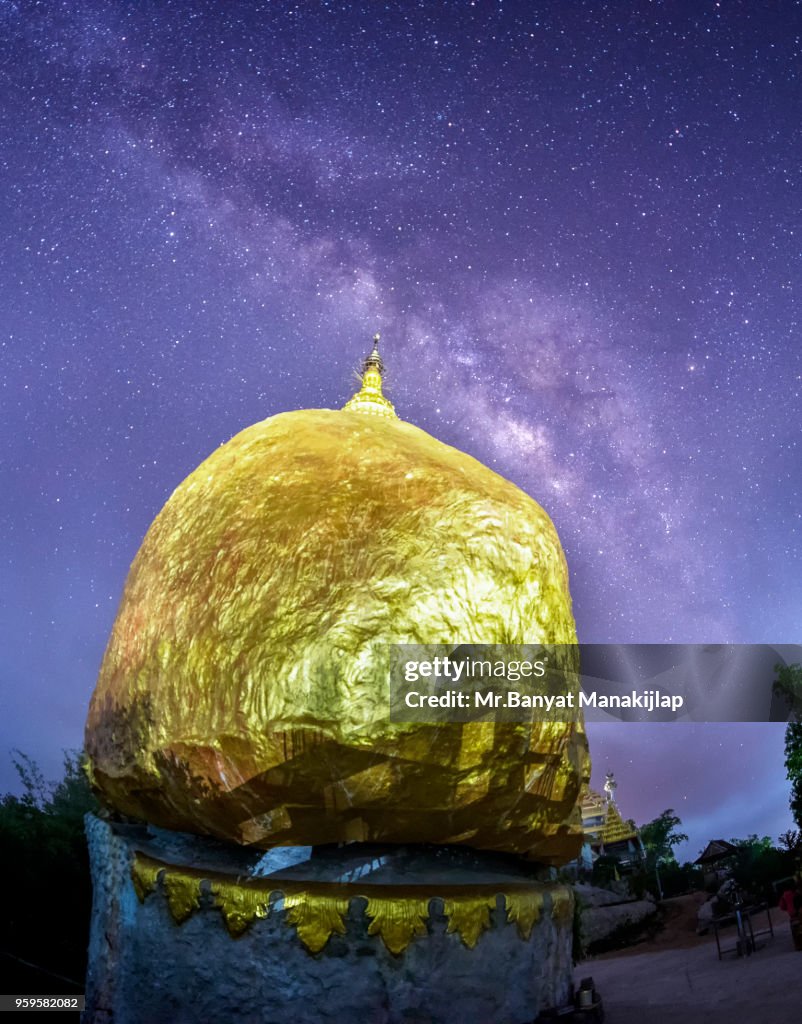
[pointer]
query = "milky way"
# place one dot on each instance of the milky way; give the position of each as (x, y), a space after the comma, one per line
(577, 227)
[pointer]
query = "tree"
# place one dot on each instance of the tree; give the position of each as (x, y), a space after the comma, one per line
(791, 841)
(788, 685)
(659, 837)
(753, 843)
(44, 926)
(793, 767)
(757, 864)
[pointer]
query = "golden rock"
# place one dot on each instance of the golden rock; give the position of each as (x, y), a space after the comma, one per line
(244, 691)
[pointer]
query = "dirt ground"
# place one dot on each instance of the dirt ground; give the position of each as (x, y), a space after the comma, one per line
(678, 978)
(678, 931)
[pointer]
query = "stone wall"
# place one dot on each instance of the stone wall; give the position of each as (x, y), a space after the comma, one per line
(147, 969)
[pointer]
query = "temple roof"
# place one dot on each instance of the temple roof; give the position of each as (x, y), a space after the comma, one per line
(616, 830)
(612, 828)
(716, 849)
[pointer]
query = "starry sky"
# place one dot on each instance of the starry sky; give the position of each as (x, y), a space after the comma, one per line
(577, 226)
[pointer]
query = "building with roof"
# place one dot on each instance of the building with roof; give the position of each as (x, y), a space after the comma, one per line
(606, 833)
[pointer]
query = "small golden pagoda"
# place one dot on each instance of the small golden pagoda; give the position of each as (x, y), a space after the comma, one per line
(370, 397)
(606, 832)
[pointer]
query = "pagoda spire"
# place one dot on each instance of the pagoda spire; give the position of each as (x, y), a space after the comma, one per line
(370, 399)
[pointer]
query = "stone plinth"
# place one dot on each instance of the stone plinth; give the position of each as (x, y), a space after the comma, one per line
(185, 929)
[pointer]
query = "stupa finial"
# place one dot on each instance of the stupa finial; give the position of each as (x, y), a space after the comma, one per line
(370, 398)
(374, 359)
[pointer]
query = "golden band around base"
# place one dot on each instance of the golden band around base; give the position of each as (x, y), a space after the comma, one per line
(317, 909)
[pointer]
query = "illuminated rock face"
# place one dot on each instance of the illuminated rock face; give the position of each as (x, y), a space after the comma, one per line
(244, 692)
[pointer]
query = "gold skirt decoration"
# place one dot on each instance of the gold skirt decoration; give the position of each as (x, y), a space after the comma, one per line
(398, 914)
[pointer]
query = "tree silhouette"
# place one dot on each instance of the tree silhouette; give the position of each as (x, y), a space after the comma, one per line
(659, 837)
(788, 685)
(793, 767)
(47, 898)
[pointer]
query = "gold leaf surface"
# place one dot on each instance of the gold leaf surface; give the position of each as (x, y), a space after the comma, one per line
(243, 693)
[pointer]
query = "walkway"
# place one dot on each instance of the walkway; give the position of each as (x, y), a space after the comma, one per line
(691, 986)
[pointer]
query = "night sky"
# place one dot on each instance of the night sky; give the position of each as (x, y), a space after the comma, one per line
(577, 226)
